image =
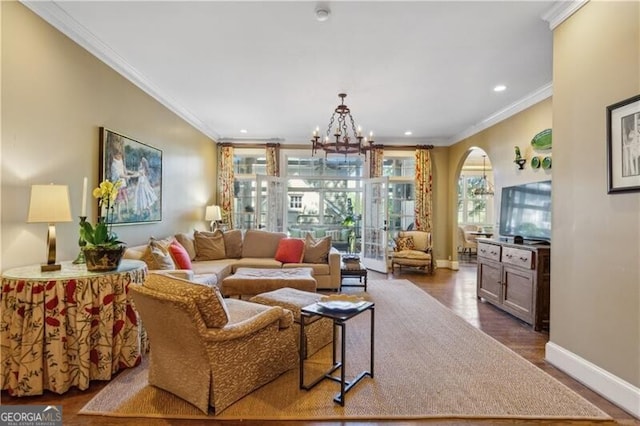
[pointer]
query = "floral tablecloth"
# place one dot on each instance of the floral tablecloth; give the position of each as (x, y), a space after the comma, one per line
(65, 328)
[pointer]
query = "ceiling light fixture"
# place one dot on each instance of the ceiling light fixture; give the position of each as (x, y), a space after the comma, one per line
(343, 143)
(322, 13)
(484, 187)
(500, 88)
(243, 131)
(408, 133)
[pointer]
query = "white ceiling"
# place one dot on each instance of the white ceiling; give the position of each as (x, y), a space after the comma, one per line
(273, 69)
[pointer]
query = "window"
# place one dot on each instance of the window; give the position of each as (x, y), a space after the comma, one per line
(319, 188)
(473, 209)
(295, 202)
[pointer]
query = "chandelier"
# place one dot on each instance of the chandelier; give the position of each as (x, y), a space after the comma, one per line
(340, 141)
(485, 187)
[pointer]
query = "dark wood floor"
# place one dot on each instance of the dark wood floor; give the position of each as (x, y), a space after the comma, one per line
(455, 289)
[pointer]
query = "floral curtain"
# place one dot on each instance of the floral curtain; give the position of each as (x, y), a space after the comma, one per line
(375, 161)
(424, 193)
(273, 159)
(225, 183)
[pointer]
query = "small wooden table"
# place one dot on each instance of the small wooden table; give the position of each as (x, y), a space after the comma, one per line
(353, 271)
(339, 320)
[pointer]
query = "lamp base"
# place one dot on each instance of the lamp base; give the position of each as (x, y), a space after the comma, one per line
(50, 267)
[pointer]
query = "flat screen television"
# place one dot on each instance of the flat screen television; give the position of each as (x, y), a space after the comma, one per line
(525, 210)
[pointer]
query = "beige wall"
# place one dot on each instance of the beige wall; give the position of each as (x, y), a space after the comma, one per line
(595, 278)
(498, 142)
(55, 96)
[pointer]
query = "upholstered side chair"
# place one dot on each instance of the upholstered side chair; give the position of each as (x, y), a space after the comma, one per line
(466, 243)
(208, 350)
(413, 248)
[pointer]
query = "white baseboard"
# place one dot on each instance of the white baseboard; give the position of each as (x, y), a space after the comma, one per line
(616, 390)
(448, 264)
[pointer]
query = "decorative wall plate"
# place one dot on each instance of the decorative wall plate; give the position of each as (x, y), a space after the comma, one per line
(546, 163)
(542, 140)
(535, 162)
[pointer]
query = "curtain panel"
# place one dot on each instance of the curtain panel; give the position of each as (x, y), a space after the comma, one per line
(225, 183)
(423, 188)
(273, 159)
(375, 161)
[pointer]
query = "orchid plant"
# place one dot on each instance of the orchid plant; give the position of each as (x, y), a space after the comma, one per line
(101, 235)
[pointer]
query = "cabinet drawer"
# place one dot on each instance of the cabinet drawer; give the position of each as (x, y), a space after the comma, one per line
(489, 251)
(517, 257)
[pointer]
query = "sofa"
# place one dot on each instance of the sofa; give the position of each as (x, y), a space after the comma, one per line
(209, 257)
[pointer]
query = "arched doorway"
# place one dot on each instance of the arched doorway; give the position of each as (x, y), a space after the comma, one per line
(475, 207)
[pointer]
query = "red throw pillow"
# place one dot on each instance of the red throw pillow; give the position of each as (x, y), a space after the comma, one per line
(290, 250)
(180, 255)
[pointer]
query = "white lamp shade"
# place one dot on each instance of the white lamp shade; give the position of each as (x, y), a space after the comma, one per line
(49, 203)
(213, 213)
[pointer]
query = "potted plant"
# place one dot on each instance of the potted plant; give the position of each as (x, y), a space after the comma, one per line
(103, 250)
(350, 222)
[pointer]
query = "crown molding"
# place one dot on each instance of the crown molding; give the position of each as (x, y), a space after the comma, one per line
(561, 11)
(58, 18)
(533, 98)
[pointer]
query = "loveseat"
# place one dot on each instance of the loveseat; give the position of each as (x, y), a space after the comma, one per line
(209, 257)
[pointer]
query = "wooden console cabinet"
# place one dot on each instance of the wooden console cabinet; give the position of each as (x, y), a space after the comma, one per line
(516, 278)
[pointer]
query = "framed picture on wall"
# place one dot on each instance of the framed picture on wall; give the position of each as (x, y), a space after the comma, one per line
(623, 145)
(138, 167)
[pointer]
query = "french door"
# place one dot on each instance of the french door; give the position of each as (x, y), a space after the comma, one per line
(375, 224)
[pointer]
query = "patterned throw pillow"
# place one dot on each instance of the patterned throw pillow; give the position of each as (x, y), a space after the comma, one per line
(157, 255)
(405, 243)
(316, 251)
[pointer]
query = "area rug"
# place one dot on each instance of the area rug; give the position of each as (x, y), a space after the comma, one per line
(429, 364)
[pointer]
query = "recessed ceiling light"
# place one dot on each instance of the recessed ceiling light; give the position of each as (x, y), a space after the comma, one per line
(243, 130)
(408, 133)
(500, 88)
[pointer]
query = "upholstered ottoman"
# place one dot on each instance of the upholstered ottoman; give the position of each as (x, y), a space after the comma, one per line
(318, 331)
(252, 281)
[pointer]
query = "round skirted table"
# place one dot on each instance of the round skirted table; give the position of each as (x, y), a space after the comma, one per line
(65, 328)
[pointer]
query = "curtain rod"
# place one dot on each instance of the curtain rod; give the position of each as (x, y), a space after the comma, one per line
(271, 144)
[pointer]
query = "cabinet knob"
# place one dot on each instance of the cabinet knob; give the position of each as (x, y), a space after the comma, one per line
(524, 259)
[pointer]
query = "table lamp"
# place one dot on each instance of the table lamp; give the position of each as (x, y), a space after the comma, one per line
(213, 214)
(50, 204)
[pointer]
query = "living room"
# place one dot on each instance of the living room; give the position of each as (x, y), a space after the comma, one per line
(55, 96)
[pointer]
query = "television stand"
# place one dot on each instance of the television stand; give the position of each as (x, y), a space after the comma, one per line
(516, 278)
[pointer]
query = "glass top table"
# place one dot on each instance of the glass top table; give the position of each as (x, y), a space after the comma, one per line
(340, 318)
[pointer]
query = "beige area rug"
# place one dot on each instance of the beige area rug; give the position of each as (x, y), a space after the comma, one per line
(429, 363)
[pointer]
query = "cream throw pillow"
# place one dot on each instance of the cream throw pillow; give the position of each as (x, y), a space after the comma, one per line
(209, 246)
(157, 255)
(316, 251)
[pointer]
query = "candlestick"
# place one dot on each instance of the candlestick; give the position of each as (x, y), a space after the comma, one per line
(81, 241)
(84, 198)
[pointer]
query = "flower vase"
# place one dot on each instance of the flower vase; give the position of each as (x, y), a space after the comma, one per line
(103, 259)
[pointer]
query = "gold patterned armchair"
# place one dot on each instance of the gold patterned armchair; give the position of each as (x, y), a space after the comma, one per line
(208, 350)
(413, 248)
